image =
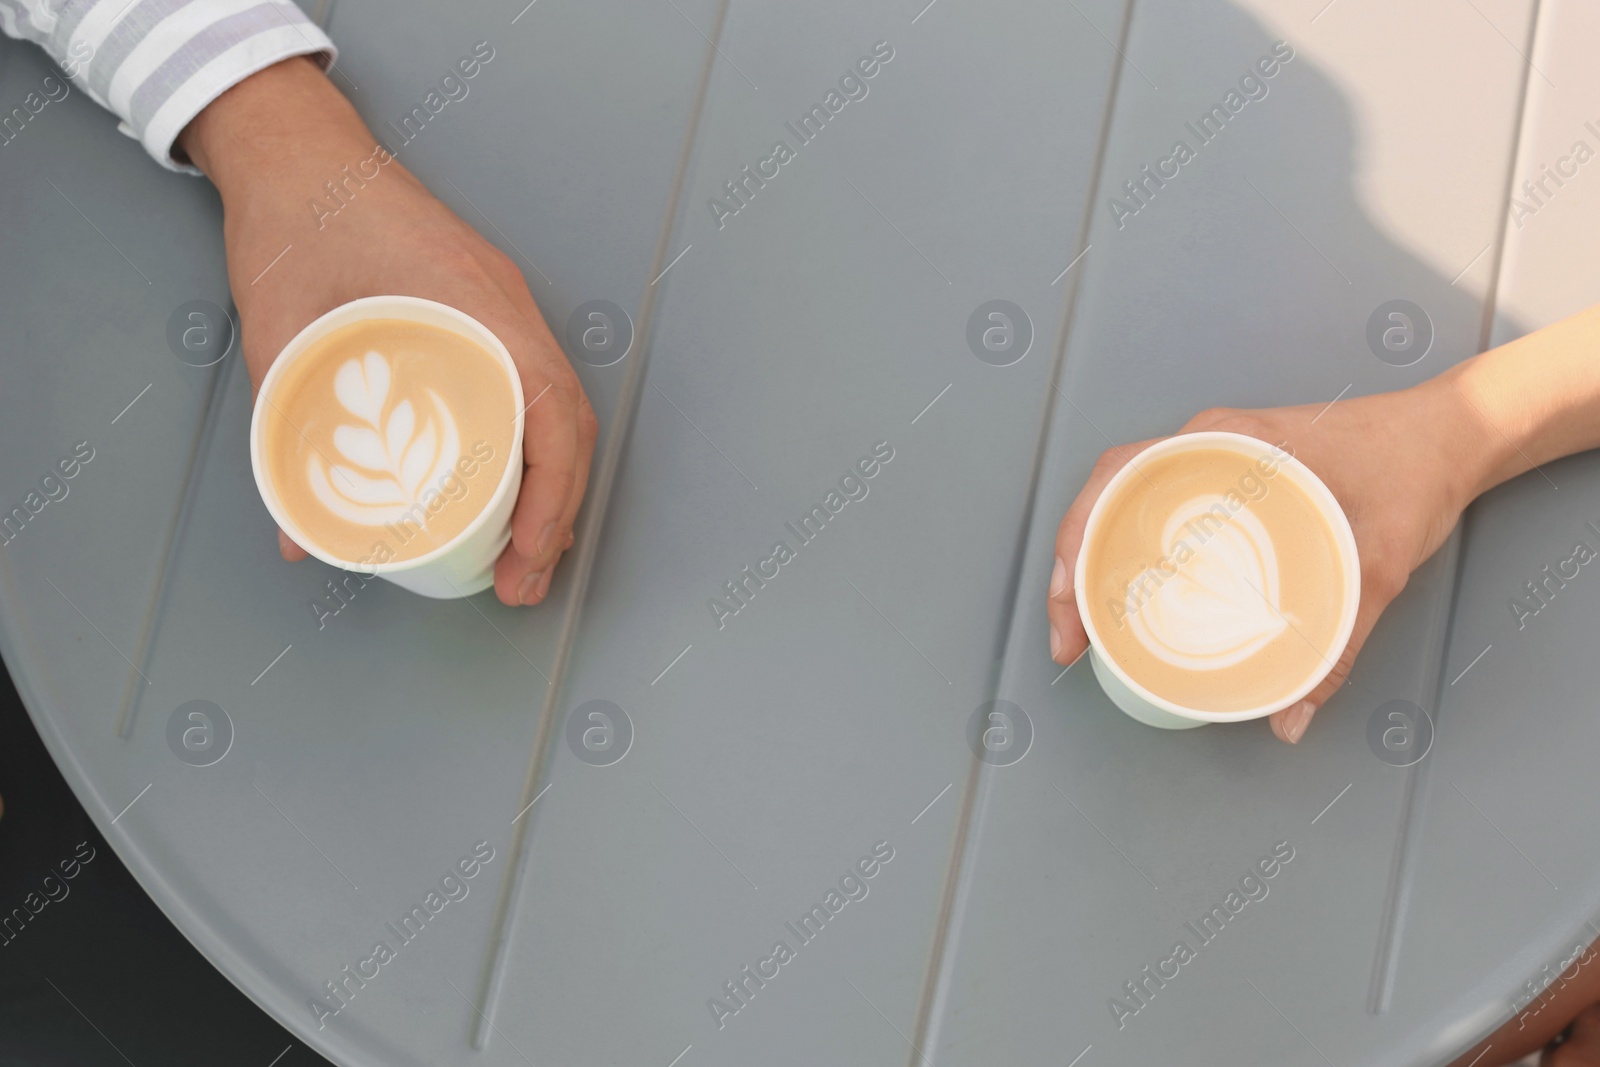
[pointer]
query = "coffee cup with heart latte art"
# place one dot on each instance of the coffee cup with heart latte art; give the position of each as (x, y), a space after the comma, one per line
(1218, 581)
(387, 440)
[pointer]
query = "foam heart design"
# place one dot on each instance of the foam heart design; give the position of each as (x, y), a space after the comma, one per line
(1221, 606)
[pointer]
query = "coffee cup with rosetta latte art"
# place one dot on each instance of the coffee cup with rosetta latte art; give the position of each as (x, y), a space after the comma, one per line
(387, 440)
(1218, 581)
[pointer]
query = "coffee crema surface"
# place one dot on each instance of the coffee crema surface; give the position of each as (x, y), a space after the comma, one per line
(1215, 581)
(386, 438)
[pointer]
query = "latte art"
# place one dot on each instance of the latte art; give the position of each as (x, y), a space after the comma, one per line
(388, 458)
(1213, 580)
(386, 438)
(1222, 605)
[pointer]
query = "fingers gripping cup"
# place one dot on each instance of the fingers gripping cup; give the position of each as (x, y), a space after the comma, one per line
(387, 439)
(1218, 581)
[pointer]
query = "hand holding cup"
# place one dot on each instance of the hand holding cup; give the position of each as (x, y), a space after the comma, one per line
(1395, 462)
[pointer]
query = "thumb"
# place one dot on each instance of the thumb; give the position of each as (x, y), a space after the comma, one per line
(1068, 639)
(288, 549)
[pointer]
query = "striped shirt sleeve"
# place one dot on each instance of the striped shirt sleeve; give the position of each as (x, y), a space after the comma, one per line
(157, 63)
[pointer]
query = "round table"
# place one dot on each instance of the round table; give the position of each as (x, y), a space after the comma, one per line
(717, 801)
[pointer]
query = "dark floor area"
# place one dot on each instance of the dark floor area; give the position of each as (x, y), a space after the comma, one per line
(95, 975)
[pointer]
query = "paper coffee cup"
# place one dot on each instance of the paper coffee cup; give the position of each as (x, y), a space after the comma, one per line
(464, 564)
(1137, 700)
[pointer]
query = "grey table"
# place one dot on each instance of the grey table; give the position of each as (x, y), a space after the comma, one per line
(341, 771)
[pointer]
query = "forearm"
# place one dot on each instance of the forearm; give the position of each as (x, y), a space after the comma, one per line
(1524, 404)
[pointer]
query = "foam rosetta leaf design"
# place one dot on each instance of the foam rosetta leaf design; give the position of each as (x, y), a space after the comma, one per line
(363, 385)
(390, 459)
(1222, 605)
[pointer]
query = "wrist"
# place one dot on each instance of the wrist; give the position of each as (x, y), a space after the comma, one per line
(264, 135)
(1473, 454)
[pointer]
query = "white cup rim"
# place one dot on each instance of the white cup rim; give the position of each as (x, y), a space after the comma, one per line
(412, 309)
(1307, 480)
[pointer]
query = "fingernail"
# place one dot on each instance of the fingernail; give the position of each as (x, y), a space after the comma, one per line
(1055, 642)
(544, 537)
(528, 588)
(1294, 724)
(544, 582)
(1058, 579)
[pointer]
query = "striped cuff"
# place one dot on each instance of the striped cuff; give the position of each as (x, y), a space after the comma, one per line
(158, 63)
